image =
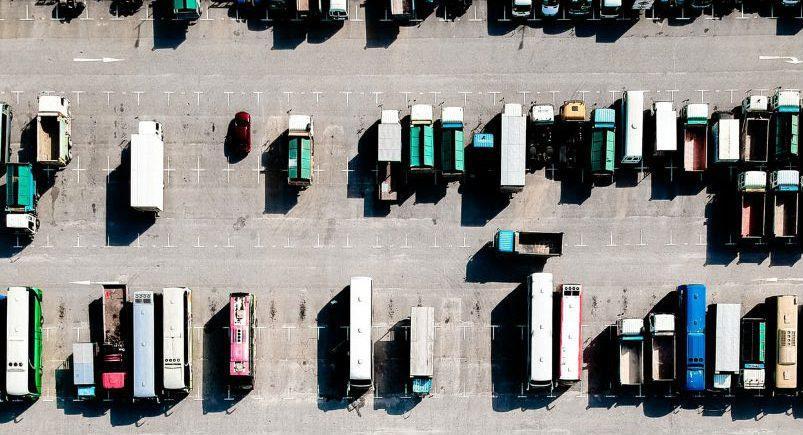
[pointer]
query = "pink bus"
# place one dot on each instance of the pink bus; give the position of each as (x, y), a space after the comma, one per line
(241, 339)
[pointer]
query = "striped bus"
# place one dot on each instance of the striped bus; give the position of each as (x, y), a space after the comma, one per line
(786, 342)
(24, 343)
(144, 346)
(177, 339)
(241, 339)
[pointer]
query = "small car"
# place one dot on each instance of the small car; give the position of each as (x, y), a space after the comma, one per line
(240, 134)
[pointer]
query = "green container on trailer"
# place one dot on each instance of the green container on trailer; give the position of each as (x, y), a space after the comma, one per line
(602, 151)
(186, 9)
(422, 149)
(299, 165)
(20, 188)
(452, 152)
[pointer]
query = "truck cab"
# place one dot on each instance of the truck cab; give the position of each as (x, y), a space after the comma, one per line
(550, 8)
(21, 199)
(695, 137)
(573, 124)
(521, 8)
(610, 8)
(786, 124)
(186, 10)
(339, 10)
(578, 9)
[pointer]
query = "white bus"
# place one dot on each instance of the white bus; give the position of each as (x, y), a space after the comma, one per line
(571, 356)
(360, 348)
(539, 346)
(177, 338)
(144, 353)
(24, 342)
(632, 126)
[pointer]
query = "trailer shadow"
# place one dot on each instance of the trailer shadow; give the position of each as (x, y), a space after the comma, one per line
(785, 255)
(487, 266)
(319, 32)
(720, 248)
(124, 8)
(361, 166)
(787, 25)
(391, 370)
(217, 394)
(124, 225)
(599, 356)
(288, 35)
(280, 198)
(499, 19)
(332, 352)
(381, 31)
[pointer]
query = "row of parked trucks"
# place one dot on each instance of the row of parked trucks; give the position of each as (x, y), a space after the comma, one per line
(743, 350)
(611, 9)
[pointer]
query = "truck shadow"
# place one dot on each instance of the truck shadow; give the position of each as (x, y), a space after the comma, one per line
(788, 25)
(168, 33)
(499, 19)
(380, 30)
(332, 352)
(123, 8)
(481, 200)
(124, 225)
(487, 266)
(218, 396)
(720, 248)
(288, 35)
(280, 198)
(392, 369)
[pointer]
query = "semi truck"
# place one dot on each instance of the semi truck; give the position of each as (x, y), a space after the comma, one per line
(402, 10)
(147, 168)
(692, 301)
(725, 133)
(300, 151)
(452, 162)
(666, 127)
(422, 139)
(422, 349)
(53, 132)
(785, 187)
(753, 353)
(114, 365)
(755, 135)
(630, 333)
(573, 125)
(662, 347)
(6, 116)
(752, 187)
(786, 120)
(695, 137)
(21, 199)
(389, 153)
(83, 369)
(603, 144)
(513, 152)
(540, 150)
(521, 8)
(537, 244)
(726, 345)
(186, 10)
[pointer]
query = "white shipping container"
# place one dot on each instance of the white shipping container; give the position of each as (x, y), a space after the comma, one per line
(513, 149)
(726, 135)
(726, 359)
(666, 127)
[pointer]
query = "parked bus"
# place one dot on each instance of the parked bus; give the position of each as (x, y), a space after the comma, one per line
(360, 347)
(177, 339)
(24, 343)
(241, 339)
(632, 126)
(692, 300)
(539, 346)
(786, 343)
(144, 342)
(571, 356)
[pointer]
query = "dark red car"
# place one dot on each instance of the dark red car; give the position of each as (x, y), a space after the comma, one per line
(241, 133)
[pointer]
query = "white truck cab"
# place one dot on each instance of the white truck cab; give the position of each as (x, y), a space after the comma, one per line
(25, 223)
(521, 8)
(610, 8)
(339, 10)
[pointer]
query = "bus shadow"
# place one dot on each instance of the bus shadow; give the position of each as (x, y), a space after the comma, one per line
(13, 411)
(332, 352)
(392, 369)
(508, 350)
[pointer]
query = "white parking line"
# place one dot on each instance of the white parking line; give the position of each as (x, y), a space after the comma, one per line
(138, 93)
(287, 94)
(78, 169)
(77, 97)
(168, 93)
(27, 14)
(228, 171)
(198, 170)
(347, 93)
(317, 96)
(17, 95)
(259, 95)
(168, 170)
(197, 97)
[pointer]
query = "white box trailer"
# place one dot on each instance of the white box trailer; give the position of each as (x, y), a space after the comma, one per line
(726, 357)
(422, 348)
(147, 168)
(360, 346)
(726, 139)
(513, 149)
(666, 127)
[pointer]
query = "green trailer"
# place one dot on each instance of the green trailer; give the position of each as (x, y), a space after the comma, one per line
(21, 199)
(452, 148)
(300, 151)
(603, 144)
(786, 120)
(422, 139)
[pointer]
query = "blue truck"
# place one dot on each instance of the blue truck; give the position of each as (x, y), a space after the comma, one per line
(692, 306)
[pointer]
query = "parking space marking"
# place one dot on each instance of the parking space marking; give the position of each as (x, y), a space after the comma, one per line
(347, 93)
(138, 94)
(228, 169)
(168, 169)
(27, 14)
(197, 169)
(17, 95)
(108, 97)
(287, 94)
(259, 95)
(78, 169)
(168, 244)
(197, 97)
(168, 93)
(259, 242)
(260, 169)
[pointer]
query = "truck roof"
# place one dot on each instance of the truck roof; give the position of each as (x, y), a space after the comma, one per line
(727, 337)
(390, 117)
(786, 100)
(662, 323)
(421, 114)
(727, 134)
(753, 181)
(573, 111)
(147, 172)
(512, 109)
(83, 355)
(452, 115)
(422, 341)
(696, 113)
(755, 103)
(542, 113)
(54, 103)
(513, 148)
(300, 124)
(786, 180)
(148, 127)
(630, 327)
(605, 117)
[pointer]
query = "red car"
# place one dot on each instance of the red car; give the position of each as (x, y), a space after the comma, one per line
(241, 133)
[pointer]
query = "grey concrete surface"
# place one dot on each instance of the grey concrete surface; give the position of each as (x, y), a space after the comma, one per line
(231, 225)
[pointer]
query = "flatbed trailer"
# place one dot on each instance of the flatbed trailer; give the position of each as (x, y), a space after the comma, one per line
(538, 244)
(695, 137)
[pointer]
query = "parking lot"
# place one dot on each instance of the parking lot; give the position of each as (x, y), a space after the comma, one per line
(232, 225)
